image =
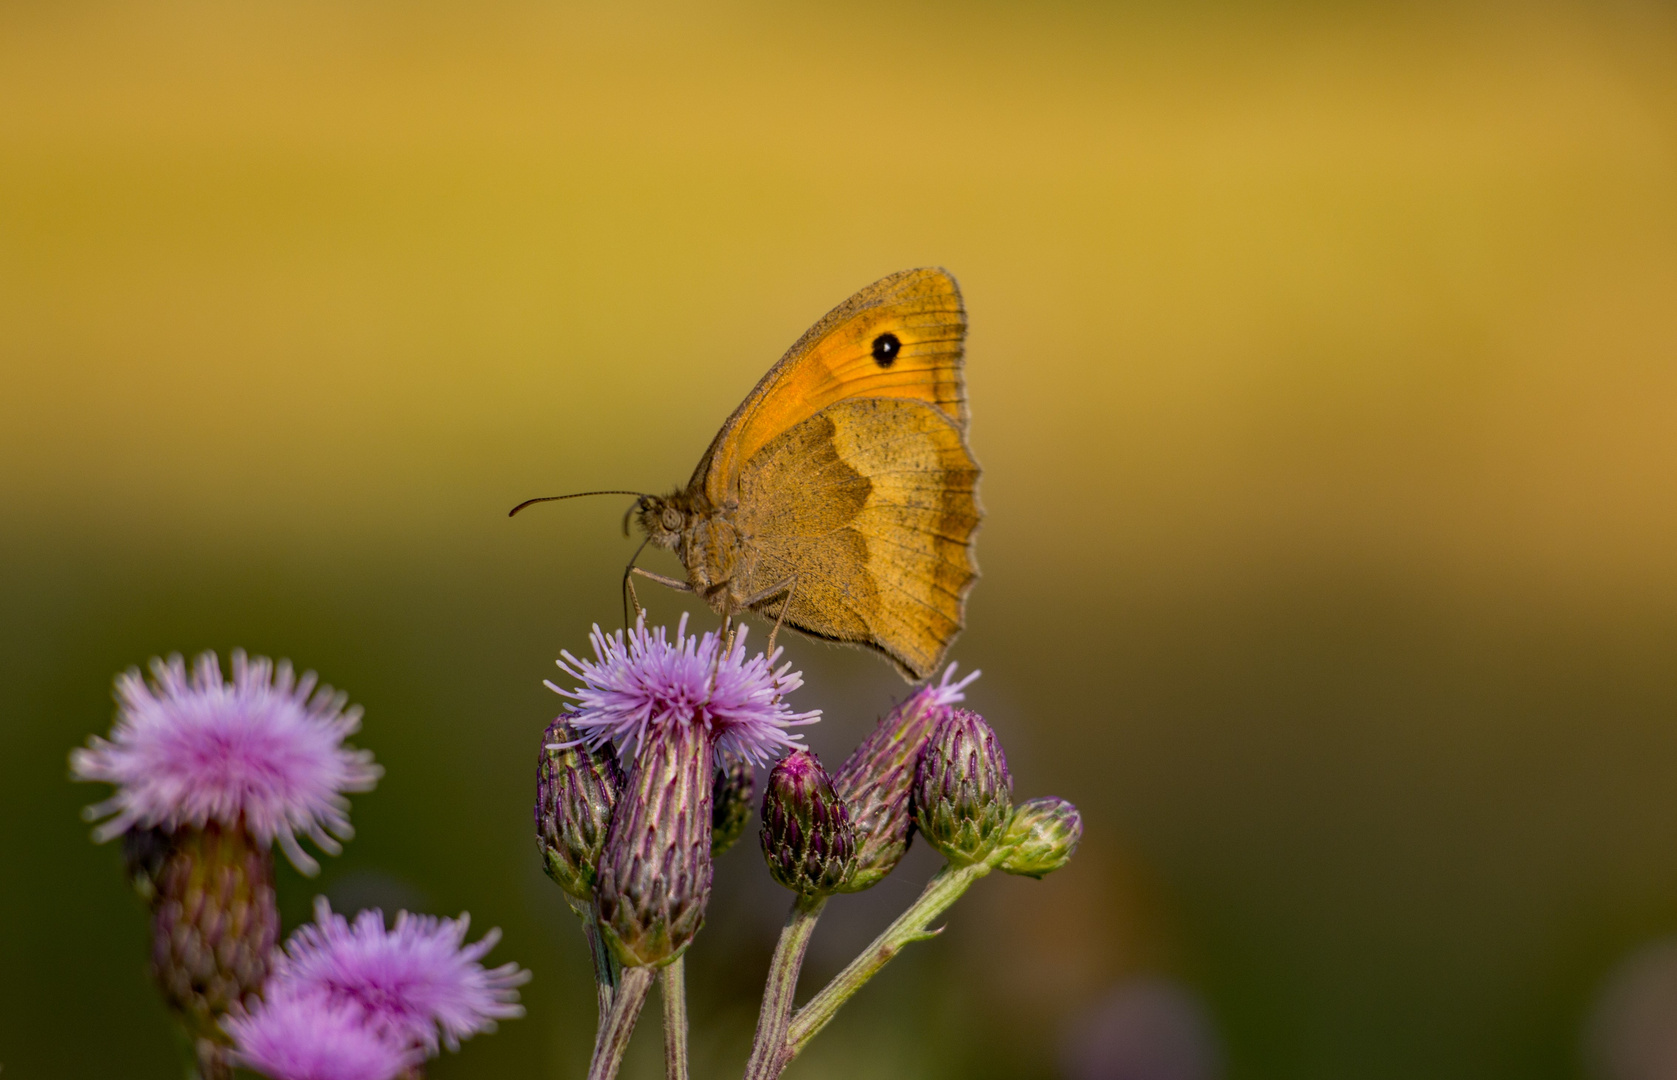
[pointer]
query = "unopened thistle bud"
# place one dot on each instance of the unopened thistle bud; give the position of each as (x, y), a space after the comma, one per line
(576, 788)
(876, 781)
(214, 925)
(1041, 838)
(962, 791)
(807, 836)
(730, 796)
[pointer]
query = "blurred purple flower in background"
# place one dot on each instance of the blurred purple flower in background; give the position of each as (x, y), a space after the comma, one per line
(308, 1037)
(640, 681)
(264, 752)
(1631, 1033)
(1145, 1029)
(411, 983)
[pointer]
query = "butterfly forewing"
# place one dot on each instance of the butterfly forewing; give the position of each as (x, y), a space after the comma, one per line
(850, 478)
(835, 360)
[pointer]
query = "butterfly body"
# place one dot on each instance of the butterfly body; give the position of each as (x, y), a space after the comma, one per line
(840, 498)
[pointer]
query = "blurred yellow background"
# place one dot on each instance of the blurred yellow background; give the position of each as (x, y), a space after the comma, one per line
(1323, 368)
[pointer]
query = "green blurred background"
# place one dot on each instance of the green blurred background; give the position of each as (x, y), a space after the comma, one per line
(1324, 372)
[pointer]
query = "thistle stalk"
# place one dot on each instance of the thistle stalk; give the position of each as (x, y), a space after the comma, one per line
(770, 1052)
(943, 890)
(672, 986)
(625, 1009)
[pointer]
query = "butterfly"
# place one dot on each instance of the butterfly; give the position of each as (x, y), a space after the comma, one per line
(840, 499)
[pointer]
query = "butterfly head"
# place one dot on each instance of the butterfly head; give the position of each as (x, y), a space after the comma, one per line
(661, 518)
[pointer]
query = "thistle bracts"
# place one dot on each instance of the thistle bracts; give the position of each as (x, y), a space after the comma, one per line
(731, 792)
(214, 927)
(807, 837)
(876, 780)
(655, 872)
(963, 795)
(1041, 838)
(576, 788)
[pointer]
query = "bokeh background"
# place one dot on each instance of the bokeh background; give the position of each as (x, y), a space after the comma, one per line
(1324, 372)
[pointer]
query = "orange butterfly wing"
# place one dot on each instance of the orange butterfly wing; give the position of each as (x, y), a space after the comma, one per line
(834, 361)
(847, 471)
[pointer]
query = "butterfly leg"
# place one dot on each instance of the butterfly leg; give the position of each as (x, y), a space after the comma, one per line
(629, 595)
(790, 588)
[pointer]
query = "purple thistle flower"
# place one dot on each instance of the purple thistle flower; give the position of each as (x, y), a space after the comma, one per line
(641, 681)
(264, 752)
(308, 1037)
(410, 983)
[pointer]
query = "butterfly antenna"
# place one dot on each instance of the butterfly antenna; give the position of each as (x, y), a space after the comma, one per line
(573, 495)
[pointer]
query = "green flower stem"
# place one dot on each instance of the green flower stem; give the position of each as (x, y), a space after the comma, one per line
(605, 965)
(672, 986)
(613, 1038)
(944, 889)
(770, 1052)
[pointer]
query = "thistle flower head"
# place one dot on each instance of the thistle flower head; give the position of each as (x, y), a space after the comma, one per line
(875, 780)
(641, 681)
(807, 837)
(264, 752)
(730, 800)
(1041, 838)
(576, 788)
(963, 794)
(412, 983)
(309, 1037)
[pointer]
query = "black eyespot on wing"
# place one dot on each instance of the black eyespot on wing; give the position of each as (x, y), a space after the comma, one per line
(885, 349)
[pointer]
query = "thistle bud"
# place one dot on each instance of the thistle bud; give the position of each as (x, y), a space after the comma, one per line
(655, 871)
(730, 798)
(807, 836)
(1041, 838)
(576, 789)
(876, 780)
(214, 927)
(962, 790)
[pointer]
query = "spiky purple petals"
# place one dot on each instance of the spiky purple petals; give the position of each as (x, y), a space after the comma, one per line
(414, 983)
(308, 1037)
(264, 752)
(641, 681)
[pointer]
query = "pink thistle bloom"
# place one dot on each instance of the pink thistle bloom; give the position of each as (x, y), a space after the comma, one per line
(410, 983)
(948, 691)
(264, 752)
(291, 1037)
(641, 681)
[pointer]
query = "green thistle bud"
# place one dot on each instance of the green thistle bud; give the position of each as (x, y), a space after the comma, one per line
(214, 928)
(655, 871)
(962, 791)
(877, 779)
(576, 789)
(730, 797)
(807, 836)
(1041, 838)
